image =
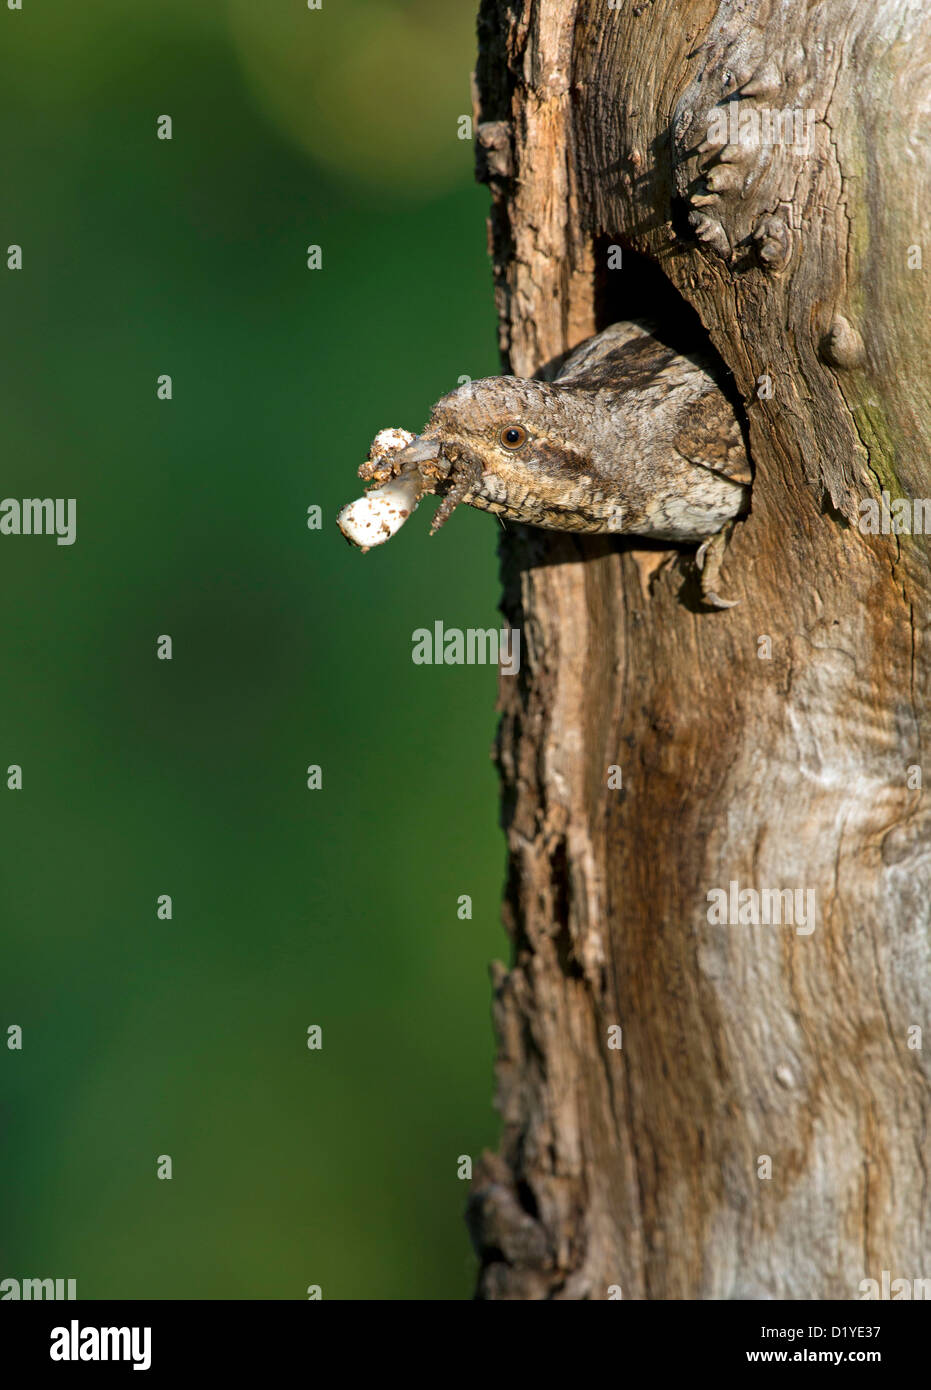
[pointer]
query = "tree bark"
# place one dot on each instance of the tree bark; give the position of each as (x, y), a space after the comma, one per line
(780, 764)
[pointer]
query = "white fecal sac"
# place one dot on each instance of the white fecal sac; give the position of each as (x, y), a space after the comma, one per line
(380, 514)
(389, 442)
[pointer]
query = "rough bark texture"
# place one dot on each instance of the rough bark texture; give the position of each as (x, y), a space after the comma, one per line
(640, 1168)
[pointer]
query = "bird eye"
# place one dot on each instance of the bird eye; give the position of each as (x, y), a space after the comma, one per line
(513, 436)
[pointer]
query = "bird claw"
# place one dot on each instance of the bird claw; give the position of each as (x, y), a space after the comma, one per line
(716, 601)
(708, 559)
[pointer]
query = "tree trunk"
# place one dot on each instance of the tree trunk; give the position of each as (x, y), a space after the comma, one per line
(777, 745)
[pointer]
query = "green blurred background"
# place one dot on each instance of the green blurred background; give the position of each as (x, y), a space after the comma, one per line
(336, 127)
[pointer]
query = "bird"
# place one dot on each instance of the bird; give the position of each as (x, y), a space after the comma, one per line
(631, 437)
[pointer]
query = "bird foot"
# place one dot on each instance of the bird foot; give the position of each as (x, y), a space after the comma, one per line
(708, 560)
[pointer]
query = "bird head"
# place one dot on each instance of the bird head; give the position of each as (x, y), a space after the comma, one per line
(506, 445)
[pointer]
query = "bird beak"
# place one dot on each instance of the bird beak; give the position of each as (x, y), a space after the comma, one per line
(420, 450)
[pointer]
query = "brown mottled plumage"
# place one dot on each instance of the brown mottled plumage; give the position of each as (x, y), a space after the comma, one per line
(631, 437)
